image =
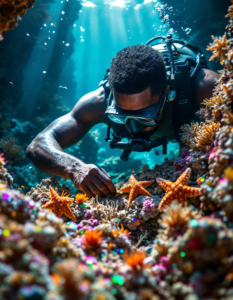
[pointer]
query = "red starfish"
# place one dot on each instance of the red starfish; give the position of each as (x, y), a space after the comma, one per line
(136, 188)
(177, 190)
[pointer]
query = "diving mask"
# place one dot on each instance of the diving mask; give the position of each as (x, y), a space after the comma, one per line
(134, 118)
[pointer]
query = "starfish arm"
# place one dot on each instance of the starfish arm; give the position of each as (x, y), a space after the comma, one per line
(49, 205)
(126, 188)
(146, 183)
(132, 180)
(143, 191)
(191, 192)
(182, 199)
(184, 178)
(132, 195)
(67, 200)
(58, 212)
(68, 212)
(166, 200)
(164, 184)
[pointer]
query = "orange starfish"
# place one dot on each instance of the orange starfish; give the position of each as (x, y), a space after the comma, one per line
(59, 204)
(177, 190)
(136, 188)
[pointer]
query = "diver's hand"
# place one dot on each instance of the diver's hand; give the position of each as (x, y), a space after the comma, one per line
(93, 181)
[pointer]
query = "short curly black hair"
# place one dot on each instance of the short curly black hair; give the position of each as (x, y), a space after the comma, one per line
(136, 68)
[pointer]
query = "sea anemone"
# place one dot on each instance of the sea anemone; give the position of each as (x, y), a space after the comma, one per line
(198, 136)
(92, 239)
(80, 198)
(175, 220)
(135, 259)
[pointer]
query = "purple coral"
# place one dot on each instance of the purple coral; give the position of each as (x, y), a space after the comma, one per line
(147, 203)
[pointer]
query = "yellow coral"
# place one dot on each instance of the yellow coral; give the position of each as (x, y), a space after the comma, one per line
(197, 136)
(190, 132)
(219, 48)
(230, 11)
(175, 219)
(80, 198)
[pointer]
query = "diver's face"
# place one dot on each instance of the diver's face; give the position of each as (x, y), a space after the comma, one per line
(137, 101)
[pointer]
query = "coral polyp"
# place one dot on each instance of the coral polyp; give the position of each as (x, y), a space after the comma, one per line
(136, 259)
(92, 239)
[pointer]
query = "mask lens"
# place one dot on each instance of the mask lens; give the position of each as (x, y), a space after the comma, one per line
(123, 119)
(117, 119)
(145, 121)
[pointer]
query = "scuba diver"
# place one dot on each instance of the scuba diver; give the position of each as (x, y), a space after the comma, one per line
(148, 93)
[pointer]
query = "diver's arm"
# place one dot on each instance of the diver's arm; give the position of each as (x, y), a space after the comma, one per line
(205, 84)
(46, 153)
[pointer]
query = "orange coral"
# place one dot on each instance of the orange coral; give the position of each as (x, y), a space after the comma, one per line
(136, 188)
(80, 198)
(219, 48)
(137, 223)
(229, 173)
(175, 219)
(93, 239)
(230, 11)
(197, 136)
(124, 231)
(136, 259)
(121, 230)
(177, 190)
(60, 204)
(11, 12)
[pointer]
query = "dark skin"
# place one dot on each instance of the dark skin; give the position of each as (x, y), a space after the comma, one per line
(45, 151)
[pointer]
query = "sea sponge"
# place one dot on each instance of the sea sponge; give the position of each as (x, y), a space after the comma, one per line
(11, 12)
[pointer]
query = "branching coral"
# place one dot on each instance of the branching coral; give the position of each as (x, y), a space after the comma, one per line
(11, 150)
(220, 48)
(198, 136)
(109, 211)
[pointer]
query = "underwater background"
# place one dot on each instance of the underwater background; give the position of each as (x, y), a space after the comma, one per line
(61, 50)
(167, 233)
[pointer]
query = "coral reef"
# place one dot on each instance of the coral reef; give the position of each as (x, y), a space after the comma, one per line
(11, 151)
(139, 246)
(11, 13)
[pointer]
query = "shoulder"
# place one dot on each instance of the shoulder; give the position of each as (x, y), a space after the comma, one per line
(90, 108)
(205, 83)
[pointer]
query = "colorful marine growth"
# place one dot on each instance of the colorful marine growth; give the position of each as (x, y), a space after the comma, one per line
(11, 12)
(148, 243)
